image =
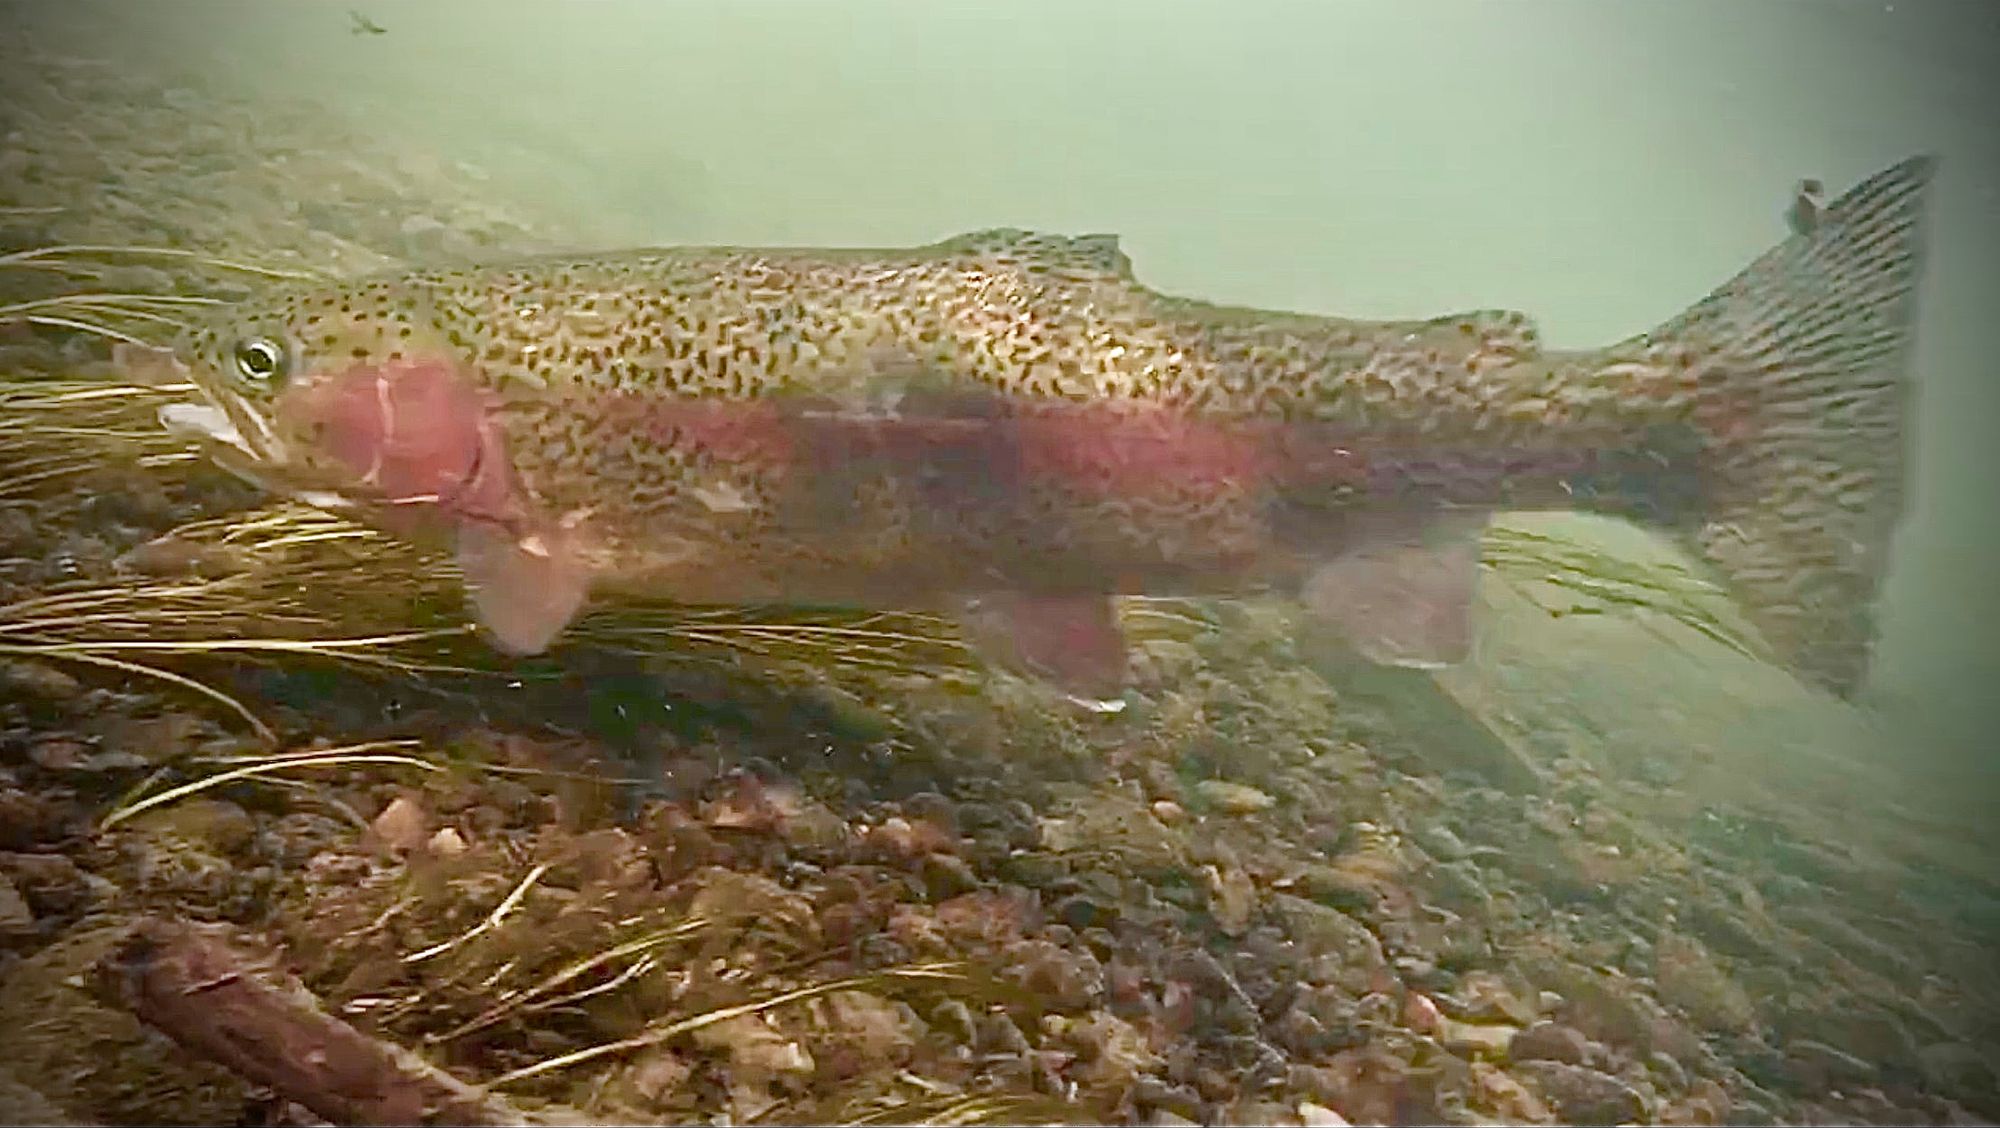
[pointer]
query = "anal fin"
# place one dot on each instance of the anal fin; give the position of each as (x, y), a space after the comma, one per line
(524, 589)
(1402, 593)
(1072, 642)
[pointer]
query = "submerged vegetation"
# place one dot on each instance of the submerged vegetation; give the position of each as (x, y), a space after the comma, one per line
(286, 581)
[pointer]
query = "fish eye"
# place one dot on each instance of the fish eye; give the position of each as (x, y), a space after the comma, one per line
(260, 359)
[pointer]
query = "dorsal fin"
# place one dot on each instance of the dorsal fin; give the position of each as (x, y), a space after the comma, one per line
(1098, 253)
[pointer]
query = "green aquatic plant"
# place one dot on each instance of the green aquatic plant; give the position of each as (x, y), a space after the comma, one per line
(1596, 581)
(277, 584)
(132, 318)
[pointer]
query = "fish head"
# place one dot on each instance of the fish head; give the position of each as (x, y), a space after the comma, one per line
(347, 397)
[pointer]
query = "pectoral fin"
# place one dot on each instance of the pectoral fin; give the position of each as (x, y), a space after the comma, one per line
(525, 590)
(1403, 596)
(1071, 641)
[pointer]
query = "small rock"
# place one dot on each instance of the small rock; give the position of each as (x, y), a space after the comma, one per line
(1867, 1032)
(1460, 886)
(1439, 842)
(1608, 1007)
(1688, 978)
(658, 1074)
(1058, 836)
(1585, 1096)
(1958, 1069)
(1483, 996)
(954, 1019)
(1232, 798)
(402, 826)
(1421, 1014)
(1169, 812)
(28, 817)
(1319, 1116)
(1487, 1039)
(1415, 970)
(216, 825)
(16, 918)
(447, 843)
(38, 680)
(1083, 911)
(59, 754)
(1823, 1066)
(1232, 897)
(1550, 1041)
(946, 876)
(1668, 1069)
(51, 883)
(1174, 1100)
(1323, 933)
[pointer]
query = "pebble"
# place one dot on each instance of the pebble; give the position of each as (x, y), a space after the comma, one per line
(1168, 1099)
(1169, 812)
(1319, 1116)
(1487, 1039)
(1338, 887)
(1585, 1096)
(37, 679)
(447, 843)
(1325, 932)
(1232, 798)
(16, 918)
(1668, 1069)
(1607, 1007)
(1439, 842)
(1550, 1041)
(1955, 1068)
(1826, 1066)
(59, 754)
(1421, 1014)
(946, 876)
(402, 826)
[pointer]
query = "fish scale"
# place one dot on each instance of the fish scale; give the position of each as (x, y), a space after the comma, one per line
(1010, 421)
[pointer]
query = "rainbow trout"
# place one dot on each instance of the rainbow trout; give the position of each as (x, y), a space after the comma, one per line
(1009, 427)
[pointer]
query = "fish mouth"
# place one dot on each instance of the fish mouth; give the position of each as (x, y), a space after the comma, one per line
(237, 438)
(227, 425)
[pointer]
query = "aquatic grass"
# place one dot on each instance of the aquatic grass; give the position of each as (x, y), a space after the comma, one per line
(290, 594)
(299, 584)
(371, 752)
(1602, 582)
(287, 592)
(64, 441)
(989, 1108)
(492, 921)
(101, 313)
(467, 954)
(541, 996)
(64, 256)
(87, 656)
(136, 318)
(941, 972)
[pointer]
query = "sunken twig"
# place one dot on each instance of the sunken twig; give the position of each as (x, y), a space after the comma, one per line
(188, 983)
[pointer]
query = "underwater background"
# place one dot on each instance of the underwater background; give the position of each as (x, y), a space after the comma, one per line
(1598, 165)
(1662, 881)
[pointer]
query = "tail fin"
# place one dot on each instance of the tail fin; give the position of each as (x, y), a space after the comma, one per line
(1802, 405)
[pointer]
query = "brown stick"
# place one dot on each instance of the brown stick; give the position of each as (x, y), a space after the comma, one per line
(184, 981)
